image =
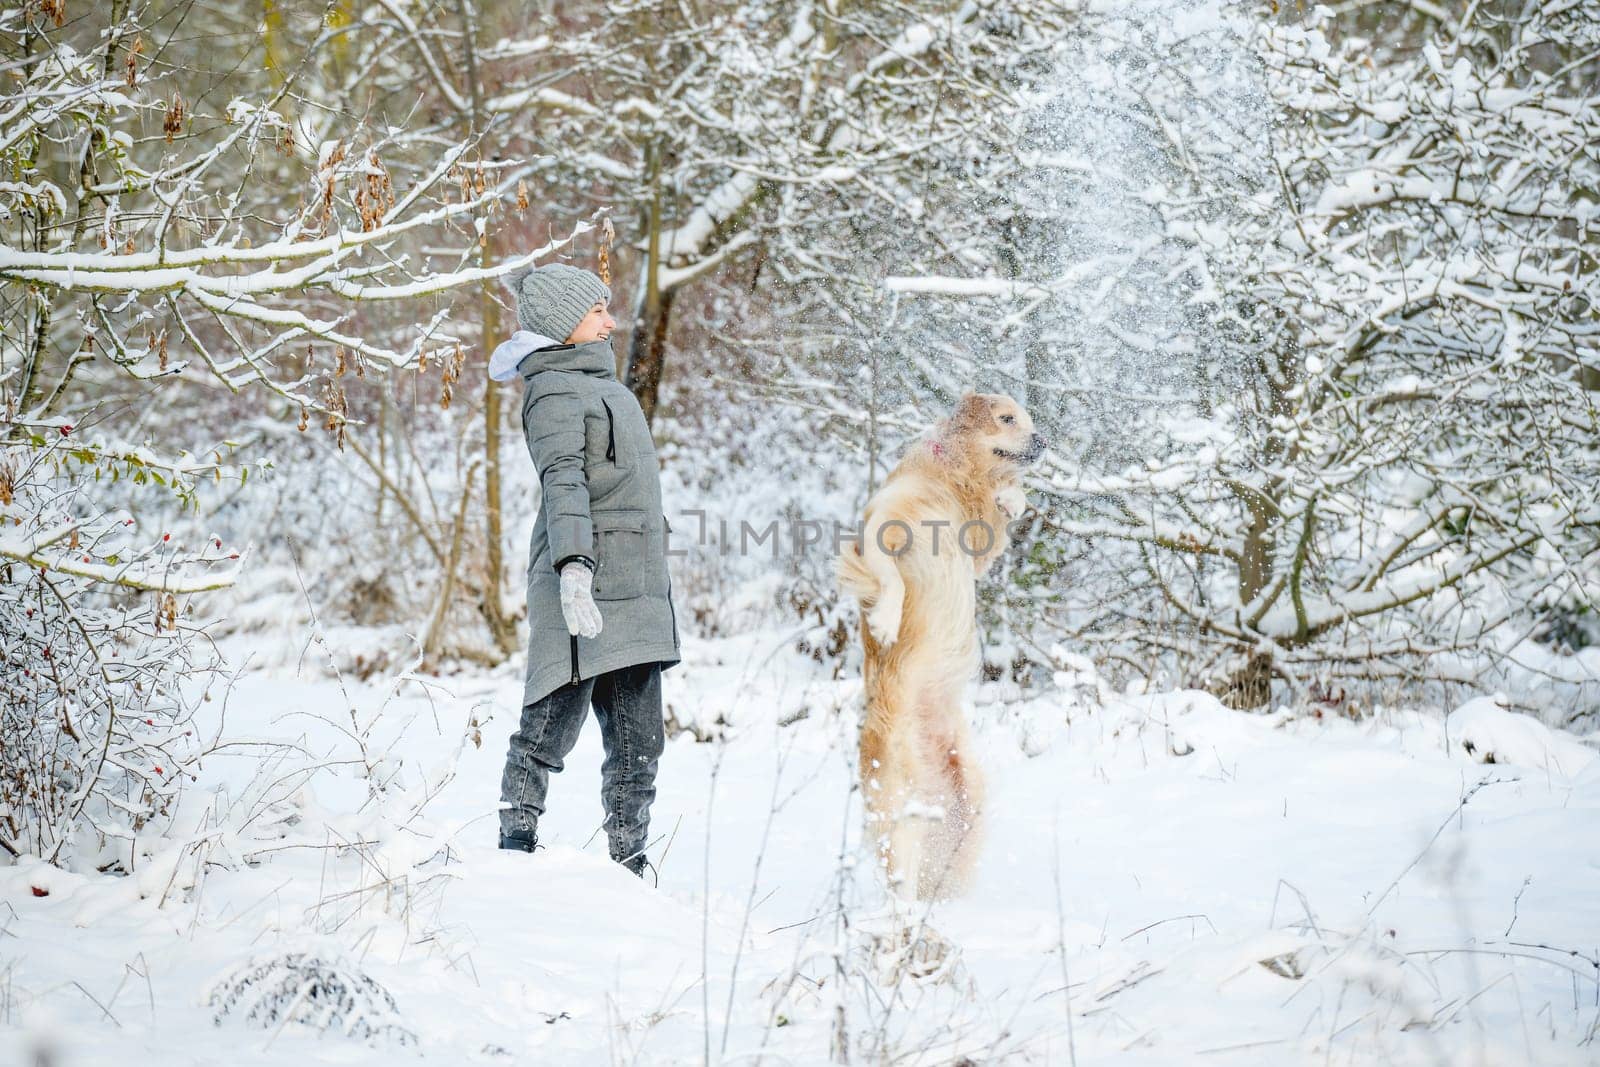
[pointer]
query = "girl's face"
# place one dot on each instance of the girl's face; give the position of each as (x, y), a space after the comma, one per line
(596, 326)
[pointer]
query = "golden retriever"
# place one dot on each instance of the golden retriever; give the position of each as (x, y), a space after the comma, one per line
(935, 525)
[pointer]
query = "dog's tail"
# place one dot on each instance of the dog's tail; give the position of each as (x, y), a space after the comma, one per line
(855, 577)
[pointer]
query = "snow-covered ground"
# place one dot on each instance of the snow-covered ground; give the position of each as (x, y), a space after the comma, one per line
(1164, 881)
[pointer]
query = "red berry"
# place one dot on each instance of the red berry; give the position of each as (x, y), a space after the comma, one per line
(39, 890)
(218, 540)
(233, 555)
(166, 537)
(149, 722)
(65, 430)
(159, 770)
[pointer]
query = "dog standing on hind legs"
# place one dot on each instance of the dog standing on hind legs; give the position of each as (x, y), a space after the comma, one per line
(931, 530)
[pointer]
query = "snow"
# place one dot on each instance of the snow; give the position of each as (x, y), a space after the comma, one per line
(42, 190)
(240, 109)
(1389, 110)
(690, 238)
(544, 98)
(1488, 732)
(1196, 19)
(998, 287)
(1271, 889)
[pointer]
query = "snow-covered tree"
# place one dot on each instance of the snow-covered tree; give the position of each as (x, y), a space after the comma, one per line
(1402, 467)
(754, 134)
(154, 271)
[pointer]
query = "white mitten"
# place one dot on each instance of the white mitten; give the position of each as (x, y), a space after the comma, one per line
(577, 600)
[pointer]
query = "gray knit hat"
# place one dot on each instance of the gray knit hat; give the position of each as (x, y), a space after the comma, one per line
(554, 298)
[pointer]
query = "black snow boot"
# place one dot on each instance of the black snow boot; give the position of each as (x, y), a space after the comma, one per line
(638, 864)
(519, 844)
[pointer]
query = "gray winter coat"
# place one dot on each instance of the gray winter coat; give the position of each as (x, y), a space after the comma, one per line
(602, 503)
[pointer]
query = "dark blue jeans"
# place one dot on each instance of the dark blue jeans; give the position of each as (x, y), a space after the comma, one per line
(627, 701)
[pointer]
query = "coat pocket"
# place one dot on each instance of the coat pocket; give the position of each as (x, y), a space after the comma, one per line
(622, 551)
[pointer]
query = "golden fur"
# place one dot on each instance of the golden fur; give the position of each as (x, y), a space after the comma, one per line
(923, 792)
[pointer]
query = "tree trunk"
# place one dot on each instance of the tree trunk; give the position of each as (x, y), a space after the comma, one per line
(647, 346)
(647, 351)
(1250, 685)
(490, 604)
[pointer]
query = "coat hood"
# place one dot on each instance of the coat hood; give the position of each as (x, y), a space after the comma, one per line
(527, 353)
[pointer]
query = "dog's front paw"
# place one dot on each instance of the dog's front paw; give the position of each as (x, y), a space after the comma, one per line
(884, 621)
(1011, 501)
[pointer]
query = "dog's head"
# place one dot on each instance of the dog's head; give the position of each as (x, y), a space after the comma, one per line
(996, 430)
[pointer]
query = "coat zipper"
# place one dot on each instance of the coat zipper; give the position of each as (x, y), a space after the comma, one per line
(611, 433)
(574, 659)
(672, 613)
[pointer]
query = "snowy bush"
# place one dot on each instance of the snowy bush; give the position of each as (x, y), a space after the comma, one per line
(326, 995)
(96, 731)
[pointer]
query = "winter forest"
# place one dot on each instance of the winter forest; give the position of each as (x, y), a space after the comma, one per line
(1284, 675)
